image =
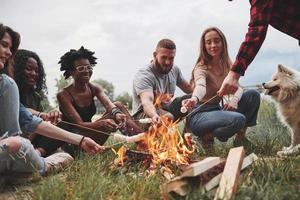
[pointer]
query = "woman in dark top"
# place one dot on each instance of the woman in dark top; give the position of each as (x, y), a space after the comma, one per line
(30, 77)
(76, 101)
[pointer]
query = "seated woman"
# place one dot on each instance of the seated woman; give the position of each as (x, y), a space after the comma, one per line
(16, 153)
(213, 120)
(30, 77)
(76, 101)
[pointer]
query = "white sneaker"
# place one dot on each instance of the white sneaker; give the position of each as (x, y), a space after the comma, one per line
(57, 161)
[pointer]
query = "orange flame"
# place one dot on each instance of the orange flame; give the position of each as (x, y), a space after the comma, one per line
(121, 154)
(161, 98)
(165, 143)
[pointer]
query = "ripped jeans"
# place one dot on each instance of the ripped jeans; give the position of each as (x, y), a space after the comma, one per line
(26, 160)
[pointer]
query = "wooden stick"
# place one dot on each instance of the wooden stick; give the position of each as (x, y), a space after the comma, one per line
(231, 173)
(199, 167)
(214, 182)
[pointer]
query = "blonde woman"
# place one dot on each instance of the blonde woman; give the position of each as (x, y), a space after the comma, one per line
(213, 119)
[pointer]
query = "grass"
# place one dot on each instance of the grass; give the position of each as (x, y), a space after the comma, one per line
(97, 177)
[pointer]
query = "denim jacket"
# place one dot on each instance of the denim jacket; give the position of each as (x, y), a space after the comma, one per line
(14, 115)
(28, 122)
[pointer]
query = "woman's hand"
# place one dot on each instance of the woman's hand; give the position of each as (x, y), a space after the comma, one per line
(107, 125)
(120, 118)
(231, 105)
(190, 103)
(90, 146)
(54, 116)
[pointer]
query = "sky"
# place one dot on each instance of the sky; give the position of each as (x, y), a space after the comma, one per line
(124, 33)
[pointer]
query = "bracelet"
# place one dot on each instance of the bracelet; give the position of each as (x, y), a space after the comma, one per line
(80, 143)
(39, 114)
(115, 111)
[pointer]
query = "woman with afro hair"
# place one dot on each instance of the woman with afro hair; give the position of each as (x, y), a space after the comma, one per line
(76, 101)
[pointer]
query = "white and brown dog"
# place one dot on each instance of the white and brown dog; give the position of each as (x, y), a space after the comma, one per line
(284, 88)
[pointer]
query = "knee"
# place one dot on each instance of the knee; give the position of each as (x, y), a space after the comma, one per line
(254, 95)
(13, 144)
(239, 121)
(236, 121)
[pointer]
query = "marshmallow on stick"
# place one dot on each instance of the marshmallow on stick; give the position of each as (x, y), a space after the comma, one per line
(183, 109)
(145, 121)
(129, 139)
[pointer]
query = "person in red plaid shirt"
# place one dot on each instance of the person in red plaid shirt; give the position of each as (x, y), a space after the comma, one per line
(283, 15)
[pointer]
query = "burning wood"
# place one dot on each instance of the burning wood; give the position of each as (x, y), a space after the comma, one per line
(165, 144)
(131, 156)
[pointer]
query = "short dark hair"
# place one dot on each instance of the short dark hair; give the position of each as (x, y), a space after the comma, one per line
(166, 43)
(67, 60)
(20, 60)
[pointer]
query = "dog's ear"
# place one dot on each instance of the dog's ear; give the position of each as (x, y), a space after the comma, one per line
(285, 70)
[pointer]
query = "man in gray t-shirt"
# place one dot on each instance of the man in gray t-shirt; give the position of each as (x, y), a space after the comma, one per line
(160, 77)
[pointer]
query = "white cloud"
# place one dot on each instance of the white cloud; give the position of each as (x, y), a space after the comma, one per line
(123, 33)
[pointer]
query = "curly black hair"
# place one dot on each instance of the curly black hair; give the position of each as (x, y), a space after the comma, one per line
(67, 60)
(20, 60)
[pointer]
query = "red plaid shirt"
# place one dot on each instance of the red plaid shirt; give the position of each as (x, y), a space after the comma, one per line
(283, 15)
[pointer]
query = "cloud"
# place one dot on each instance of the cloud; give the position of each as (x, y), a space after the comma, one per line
(123, 33)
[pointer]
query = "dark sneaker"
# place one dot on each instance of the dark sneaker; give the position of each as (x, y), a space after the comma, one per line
(206, 141)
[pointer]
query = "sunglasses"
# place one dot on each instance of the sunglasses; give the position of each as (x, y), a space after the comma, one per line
(83, 68)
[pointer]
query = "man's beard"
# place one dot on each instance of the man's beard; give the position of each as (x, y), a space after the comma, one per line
(161, 69)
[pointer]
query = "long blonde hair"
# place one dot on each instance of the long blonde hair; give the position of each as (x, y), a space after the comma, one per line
(204, 58)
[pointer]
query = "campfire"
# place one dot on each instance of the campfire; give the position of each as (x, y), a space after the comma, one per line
(163, 147)
(163, 143)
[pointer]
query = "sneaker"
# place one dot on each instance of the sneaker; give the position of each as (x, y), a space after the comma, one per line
(57, 161)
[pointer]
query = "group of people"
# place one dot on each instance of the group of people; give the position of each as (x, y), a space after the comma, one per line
(30, 136)
(212, 119)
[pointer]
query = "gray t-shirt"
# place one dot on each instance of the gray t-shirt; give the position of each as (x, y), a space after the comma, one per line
(147, 79)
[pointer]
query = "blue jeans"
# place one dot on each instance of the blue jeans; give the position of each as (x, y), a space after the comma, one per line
(26, 159)
(224, 124)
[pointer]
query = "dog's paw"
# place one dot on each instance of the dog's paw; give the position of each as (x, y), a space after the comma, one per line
(287, 148)
(289, 151)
